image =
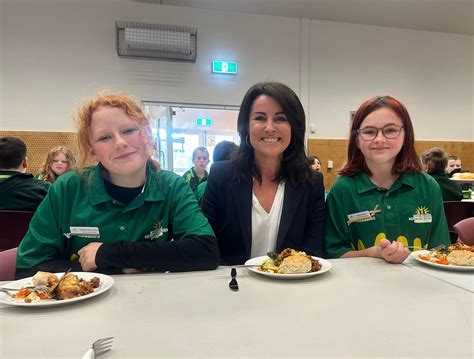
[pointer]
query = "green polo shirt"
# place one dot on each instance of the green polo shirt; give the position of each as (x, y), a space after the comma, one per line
(78, 210)
(410, 212)
(193, 179)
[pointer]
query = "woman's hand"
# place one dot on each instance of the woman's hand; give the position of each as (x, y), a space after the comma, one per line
(393, 252)
(87, 256)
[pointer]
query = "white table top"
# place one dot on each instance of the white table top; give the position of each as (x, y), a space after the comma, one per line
(461, 279)
(363, 307)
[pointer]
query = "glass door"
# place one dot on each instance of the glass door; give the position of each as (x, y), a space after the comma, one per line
(180, 128)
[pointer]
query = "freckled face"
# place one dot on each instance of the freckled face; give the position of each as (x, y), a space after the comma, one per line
(381, 150)
(269, 128)
(59, 164)
(118, 143)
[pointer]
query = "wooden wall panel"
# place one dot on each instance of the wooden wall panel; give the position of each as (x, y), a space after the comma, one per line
(335, 150)
(39, 144)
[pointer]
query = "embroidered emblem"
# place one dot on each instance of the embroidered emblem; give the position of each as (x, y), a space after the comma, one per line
(363, 216)
(422, 215)
(157, 231)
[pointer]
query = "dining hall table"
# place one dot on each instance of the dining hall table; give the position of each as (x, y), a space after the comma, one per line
(362, 307)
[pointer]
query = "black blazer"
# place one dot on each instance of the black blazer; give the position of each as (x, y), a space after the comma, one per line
(227, 203)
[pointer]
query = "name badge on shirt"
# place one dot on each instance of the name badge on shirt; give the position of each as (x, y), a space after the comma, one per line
(86, 232)
(363, 216)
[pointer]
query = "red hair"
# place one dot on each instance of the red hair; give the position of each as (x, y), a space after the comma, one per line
(407, 159)
(109, 98)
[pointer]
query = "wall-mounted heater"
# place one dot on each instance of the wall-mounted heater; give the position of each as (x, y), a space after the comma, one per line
(155, 41)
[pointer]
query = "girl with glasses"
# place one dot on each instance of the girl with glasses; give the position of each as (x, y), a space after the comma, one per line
(59, 160)
(382, 202)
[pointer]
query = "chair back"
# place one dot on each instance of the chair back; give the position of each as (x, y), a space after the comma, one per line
(457, 211)
(465, 230)
(13, 227)
(8, 264)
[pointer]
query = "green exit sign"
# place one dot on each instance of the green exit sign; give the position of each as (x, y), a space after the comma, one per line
(224, 67)
(203, 122)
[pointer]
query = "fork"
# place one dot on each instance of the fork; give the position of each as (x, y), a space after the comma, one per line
(99, 347)
(40, 288)
(233, 285)
(434, 249)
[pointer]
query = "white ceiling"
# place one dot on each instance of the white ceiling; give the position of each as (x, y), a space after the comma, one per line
(451, 16)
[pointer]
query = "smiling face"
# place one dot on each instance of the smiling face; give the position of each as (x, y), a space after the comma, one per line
(269, 129)
(381, 151)
(59, 164)
(120, 145)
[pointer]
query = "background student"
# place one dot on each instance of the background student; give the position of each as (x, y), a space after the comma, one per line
(59, 160)
(198, 174)
(19, 190)
(434, 163)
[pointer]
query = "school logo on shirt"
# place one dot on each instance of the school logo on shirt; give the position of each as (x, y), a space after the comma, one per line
(157, 231)
(422, 215)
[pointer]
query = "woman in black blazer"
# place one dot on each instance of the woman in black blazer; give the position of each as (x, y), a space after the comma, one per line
(267, 197)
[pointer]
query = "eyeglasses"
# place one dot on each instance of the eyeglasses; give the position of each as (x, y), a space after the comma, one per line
(370, 133)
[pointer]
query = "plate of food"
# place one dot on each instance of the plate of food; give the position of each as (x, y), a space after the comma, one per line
(465, 177)
(288, 264)
(49, 289)
(458, 257)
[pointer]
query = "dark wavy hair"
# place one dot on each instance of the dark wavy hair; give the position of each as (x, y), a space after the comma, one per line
(294, 164)
(407, 159)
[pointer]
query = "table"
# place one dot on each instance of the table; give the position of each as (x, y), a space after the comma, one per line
(362, 307)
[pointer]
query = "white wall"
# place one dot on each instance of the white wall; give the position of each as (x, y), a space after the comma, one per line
(54, 53)
(430, 72)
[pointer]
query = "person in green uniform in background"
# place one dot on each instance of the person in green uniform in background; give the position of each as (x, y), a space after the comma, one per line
(197, 174)
(223, 151)
(434, 163)
(382, 202)
(122, 215)
(19, 190)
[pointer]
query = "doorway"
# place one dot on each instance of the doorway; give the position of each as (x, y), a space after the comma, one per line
(180, 128)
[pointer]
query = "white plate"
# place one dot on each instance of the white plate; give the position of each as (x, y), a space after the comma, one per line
(106, 282)
(440, 266)
(325, 266)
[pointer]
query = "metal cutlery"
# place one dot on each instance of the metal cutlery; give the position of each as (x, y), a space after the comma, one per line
(434, 249)
(56, 287)
(32, 287)
(98, 348)
(233, 285)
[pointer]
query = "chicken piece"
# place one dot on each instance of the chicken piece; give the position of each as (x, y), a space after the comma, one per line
(461, 258)
(295, 264)
(71, 286)
(44, 279)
